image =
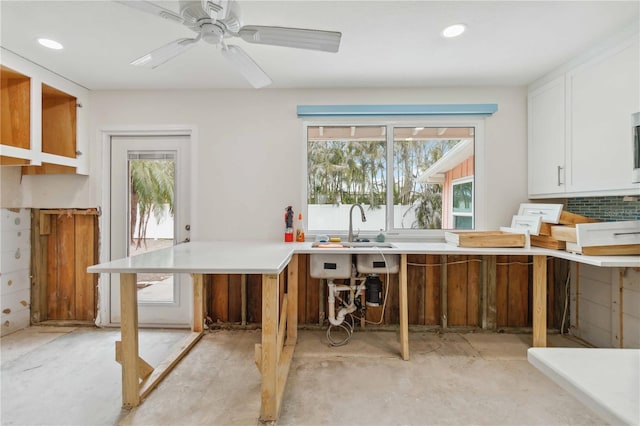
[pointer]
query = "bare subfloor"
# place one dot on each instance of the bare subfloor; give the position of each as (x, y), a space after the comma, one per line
(66, 376)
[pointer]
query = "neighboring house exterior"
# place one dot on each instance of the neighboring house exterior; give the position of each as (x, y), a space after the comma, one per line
(455, 172)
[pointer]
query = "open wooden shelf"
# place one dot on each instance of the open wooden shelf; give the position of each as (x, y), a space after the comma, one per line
(15, 101)
(58, 122)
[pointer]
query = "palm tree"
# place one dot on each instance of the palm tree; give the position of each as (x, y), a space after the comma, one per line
(152, 187)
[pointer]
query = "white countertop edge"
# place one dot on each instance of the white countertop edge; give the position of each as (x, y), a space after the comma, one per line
(568, 379)
(278, 254)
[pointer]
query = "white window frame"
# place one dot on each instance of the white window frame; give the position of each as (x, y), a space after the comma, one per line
(478, 122)
(459, 181)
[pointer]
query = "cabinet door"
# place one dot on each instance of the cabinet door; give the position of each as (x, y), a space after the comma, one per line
(547, 139)
(603, 94)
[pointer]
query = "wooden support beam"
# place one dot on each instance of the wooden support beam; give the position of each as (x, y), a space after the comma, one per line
(404, 309)
(144, 369)
(489, 302)
(539, 301)
(45, 222)
(257, 354)
(161, 371)
(282, 326)
(284, 365)
(129, 332)
(292, 293)
(197, 324)
(443, 291)
(269, 363)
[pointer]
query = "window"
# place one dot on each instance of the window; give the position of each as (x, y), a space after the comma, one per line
(408, 178)
(462, 204)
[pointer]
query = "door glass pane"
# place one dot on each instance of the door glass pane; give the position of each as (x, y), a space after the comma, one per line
(151, 218)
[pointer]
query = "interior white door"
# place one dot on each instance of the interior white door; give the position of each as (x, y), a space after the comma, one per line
(150, 211)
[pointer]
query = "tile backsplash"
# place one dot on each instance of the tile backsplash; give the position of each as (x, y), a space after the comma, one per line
(605, 208)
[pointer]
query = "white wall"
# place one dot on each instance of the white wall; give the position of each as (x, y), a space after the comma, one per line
(250, 151)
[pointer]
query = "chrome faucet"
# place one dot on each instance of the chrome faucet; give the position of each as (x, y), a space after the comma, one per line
(363, 217)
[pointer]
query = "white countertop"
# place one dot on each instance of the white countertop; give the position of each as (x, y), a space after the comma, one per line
(265, 257)
(606, 380)
(214, 257)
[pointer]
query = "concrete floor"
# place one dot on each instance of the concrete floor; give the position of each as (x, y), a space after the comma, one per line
(66, 376)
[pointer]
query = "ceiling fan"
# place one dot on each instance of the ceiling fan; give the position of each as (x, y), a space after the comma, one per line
(214, 21)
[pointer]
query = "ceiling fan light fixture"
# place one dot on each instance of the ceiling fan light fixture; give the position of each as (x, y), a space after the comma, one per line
(51, 44)
(454, 30)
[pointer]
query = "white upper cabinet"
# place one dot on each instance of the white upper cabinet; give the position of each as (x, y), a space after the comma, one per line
(603, 94)
(44, 119)
(547, 138)
(580, 127)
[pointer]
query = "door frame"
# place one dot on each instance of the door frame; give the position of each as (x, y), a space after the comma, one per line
(103, 316)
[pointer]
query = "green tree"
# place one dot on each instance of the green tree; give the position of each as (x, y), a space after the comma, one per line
(152, 186)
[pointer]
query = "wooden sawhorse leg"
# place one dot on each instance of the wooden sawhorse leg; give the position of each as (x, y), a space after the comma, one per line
(279, 335)
(539, 301)
(138, 377)
(404, 309)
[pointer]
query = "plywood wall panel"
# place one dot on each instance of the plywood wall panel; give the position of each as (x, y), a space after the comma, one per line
(235, 298)
(502, 291)
(416, 287)
(432, 294)
(254, 298)
(220, 298)
(473, 290)
(62, 298)
(518, 290)
(85, 283)
(457, 290)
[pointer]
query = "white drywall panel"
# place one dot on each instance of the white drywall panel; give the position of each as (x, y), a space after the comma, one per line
(15, 253)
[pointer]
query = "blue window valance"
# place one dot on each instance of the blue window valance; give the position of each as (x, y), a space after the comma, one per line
(390, 110)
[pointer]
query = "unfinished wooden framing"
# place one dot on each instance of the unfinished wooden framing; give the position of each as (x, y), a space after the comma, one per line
(64, 242)
(488, 292)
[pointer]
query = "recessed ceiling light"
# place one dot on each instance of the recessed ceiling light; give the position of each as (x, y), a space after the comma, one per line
(453, 30)
(51, 44)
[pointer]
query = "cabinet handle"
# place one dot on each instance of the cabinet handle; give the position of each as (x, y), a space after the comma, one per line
(615, 234)
(559, 169)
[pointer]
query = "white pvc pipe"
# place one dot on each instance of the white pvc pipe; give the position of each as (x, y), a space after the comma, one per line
(342, 313)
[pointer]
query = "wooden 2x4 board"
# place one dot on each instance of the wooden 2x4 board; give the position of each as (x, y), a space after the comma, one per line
(485, 239)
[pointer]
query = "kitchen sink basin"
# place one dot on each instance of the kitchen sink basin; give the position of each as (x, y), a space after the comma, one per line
(353, 244)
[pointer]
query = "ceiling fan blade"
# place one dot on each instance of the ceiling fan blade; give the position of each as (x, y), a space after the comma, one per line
(153, 9)
(166, 52)
(327, 41)
(246, 66)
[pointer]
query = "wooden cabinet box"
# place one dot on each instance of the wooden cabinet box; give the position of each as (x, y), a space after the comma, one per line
(59, 125)
(44, 128)
(15, 125)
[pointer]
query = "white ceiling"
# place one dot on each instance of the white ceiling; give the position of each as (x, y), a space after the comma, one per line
(384, 43)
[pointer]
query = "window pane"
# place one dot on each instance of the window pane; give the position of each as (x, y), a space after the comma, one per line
(346, 165)
(463, 222)
(462, 197)
(425, 162)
